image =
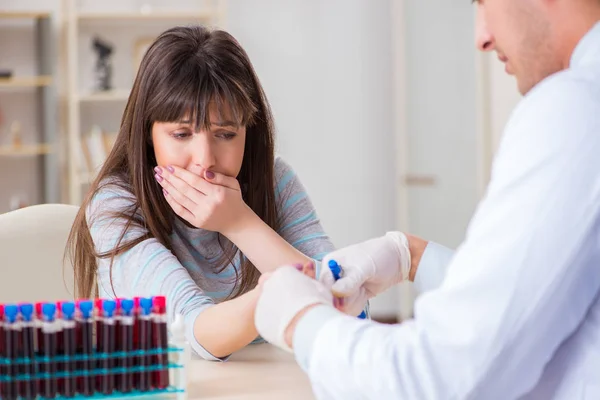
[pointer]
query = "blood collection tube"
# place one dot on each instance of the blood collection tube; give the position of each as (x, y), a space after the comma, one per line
(136, 340)
(2, 352)
(115, 360)
(60, 350)
(125, 346)
(69, 348)
(38, 327)
(144, 341)
(85, 323)
(28, 387)
(98, 329)
(39, 340)
(49, 330)
(11, 350)
(108, 346)
(336, 270)
(78, 350)
(160, 377)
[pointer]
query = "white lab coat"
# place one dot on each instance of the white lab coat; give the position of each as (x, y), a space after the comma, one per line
(518, 313)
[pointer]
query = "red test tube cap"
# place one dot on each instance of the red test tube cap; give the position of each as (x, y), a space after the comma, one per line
(118, 301)
(59, 307)
(159, 304)
(38, 309)
(98, 306)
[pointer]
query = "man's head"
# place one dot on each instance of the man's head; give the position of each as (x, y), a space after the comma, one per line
(534, 38)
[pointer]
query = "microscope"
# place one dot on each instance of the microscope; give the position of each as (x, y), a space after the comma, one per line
(103, 69)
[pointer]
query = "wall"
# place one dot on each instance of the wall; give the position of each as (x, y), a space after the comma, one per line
(326, 67)
(441, 117)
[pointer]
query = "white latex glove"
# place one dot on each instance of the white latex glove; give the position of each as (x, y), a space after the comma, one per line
(368, 268)
(284, 294)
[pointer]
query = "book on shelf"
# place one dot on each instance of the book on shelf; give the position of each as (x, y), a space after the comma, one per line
(95, 147)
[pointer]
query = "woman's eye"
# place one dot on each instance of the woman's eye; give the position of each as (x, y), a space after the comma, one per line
(180, 135)
(226, 135)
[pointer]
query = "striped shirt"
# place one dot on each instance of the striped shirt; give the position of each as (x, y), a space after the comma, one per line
(187, 275)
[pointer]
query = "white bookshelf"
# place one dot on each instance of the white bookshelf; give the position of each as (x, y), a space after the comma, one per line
(42, 145)
(26, 150)
(24, 14)
(149, 16)
(25, 81)
(210, 12)
(106, 96)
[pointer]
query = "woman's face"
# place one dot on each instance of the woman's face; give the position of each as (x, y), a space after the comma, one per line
(218, 149)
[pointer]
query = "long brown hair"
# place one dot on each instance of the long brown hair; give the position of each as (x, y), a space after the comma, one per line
(183, 71)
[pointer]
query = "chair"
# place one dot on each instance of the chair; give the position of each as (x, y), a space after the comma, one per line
(32, 245)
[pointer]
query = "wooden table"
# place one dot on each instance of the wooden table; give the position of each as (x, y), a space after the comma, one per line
(259, 371)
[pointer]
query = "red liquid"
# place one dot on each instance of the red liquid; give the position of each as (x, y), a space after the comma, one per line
(49, 367)
(69, 345)
(2, 355)
(11, 351)
(60, 349)
(136, 340)
(60, 366)
(125, 341)
(160, 378)
(86, 382)
(39, 342)
(99, 342)
(136, 346)
(114, 361)
(28, 388)
(107, 380)
(144, 361)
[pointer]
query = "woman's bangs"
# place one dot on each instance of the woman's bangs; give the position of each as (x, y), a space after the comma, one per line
(189, 98)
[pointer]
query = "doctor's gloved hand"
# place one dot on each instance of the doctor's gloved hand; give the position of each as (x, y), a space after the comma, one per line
(367, 269)
(285, 295)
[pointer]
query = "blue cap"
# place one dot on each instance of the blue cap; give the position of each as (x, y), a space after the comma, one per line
(109, 307)
(146, 305)
(26, 310)
(48, 311)
(127, 306)
(10, 312)
(68, 310)
(86, 307)
(335, 269)
(363, 315)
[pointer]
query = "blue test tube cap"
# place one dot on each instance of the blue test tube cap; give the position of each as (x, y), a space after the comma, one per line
(146, 305)
(68, 310)
(86, 307)
(336, 270)
(127, 306)
(49, 311)
(26, 310)
(109, 306)
(10, 313)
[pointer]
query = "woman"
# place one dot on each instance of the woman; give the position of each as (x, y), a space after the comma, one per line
(191, 203)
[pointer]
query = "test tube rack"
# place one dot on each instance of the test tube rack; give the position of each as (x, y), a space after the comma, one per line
(47, 355)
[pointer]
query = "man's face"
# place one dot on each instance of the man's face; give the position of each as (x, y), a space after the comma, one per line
(522, 36)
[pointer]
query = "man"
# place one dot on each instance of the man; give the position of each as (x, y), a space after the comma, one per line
(517, 314)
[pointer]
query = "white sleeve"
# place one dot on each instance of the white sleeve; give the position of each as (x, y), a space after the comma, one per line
(432, 267)
(519, 285)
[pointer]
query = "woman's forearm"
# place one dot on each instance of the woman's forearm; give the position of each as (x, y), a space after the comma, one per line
(262, 245)
(227, 327)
